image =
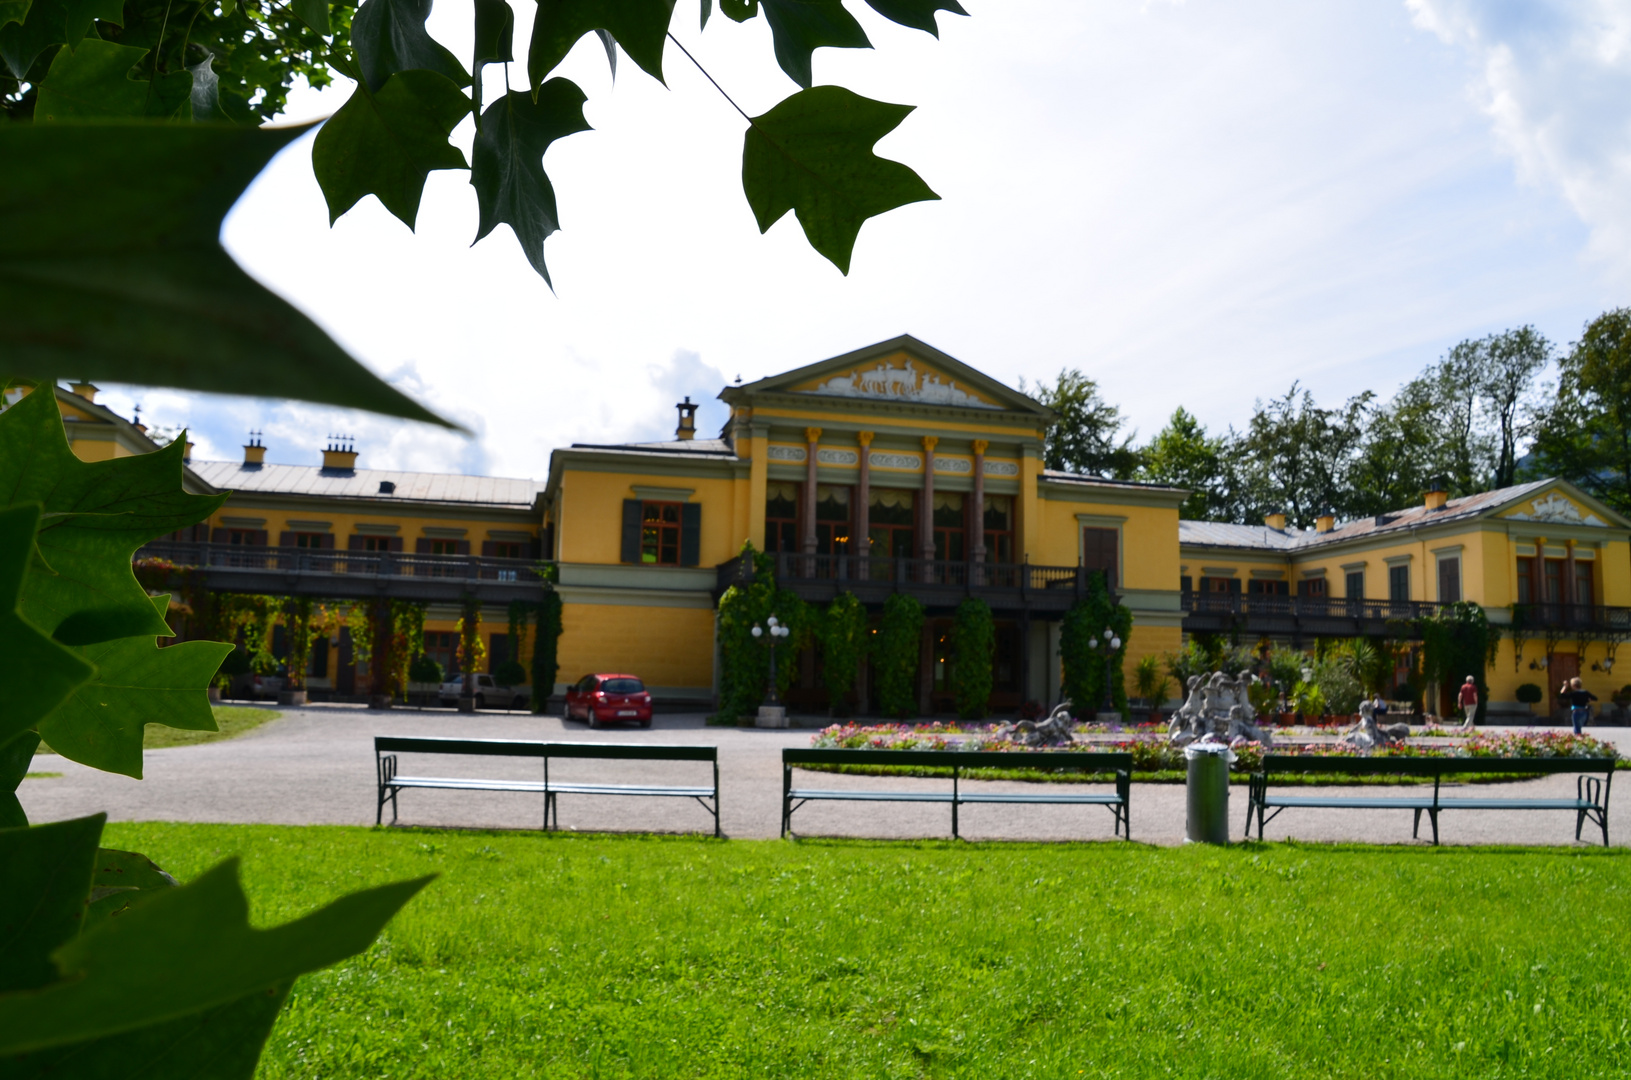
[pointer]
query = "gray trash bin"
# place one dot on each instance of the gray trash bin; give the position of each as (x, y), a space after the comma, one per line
(1207, 789)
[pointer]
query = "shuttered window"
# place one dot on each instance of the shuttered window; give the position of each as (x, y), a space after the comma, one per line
(1099, 552)
(1449, 581)
(662, 533)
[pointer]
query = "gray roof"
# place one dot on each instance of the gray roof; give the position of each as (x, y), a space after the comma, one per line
(1263, 538)
(1104, 481)
(688, 447)
(364, 484)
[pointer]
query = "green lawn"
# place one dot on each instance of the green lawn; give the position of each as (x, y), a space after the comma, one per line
(233, 720)
(582, 956)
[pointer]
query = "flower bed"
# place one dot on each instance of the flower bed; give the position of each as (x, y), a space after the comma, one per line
(1156, 760)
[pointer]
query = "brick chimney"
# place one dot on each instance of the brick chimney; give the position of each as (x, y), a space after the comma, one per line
(1325, 522)
(1276, 520)
(254, 452)
(340, 453)
(688, 420)
(1438, 493)
(85, 389)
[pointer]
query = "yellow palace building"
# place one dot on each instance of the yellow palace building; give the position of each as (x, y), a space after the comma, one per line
(891, 468)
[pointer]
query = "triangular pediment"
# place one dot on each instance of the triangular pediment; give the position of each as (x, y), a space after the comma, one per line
(900, 371)
(1560, 504)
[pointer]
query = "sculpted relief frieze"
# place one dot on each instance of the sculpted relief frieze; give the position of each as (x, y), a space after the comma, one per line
(1554, 507)
(906, 383)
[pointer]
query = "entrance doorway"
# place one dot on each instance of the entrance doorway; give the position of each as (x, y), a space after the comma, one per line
(1560, 668)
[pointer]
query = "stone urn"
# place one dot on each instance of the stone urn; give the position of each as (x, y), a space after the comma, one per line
(291, 697)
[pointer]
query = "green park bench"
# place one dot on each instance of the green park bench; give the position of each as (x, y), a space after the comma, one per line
(960, 761)
(392, 782)
(1590, 801)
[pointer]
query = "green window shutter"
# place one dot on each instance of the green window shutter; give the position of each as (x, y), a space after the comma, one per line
(690, 534)
(631, 530)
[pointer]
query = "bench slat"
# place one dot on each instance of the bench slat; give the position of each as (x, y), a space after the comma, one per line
(1072, 799)
(466, 783)
(1516, 804)
(874, 796)
(628, 789)
(1337, 802)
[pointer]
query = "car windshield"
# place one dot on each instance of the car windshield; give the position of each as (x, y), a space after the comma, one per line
(622, 686)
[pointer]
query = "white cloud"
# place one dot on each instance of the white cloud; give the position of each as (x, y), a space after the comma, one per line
(1555, 79)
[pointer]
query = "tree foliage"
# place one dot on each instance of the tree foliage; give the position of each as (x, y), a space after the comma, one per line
(973, 648)
(1584, 431)
(1457, 641)
(842, 630)
(1085, 641)
(744, 660)
(1085, 436)
(895, 655)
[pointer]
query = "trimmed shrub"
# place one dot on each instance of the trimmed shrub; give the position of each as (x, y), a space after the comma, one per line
(424, 670)
(973, 647)
(842, 630)
(1530, 694)
(895, 655)
(510, 673)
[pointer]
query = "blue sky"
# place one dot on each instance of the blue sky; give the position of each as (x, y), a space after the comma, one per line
(1195, 203)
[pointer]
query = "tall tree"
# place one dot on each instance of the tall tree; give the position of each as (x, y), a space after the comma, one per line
(1183, 455)
(1086, 433)
(1298, 457)
(1584, 434)
(1512, 361)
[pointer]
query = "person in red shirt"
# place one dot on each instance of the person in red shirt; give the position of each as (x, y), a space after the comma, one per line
(1468, 701)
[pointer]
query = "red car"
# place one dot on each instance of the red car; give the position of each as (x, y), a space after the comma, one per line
(608, 698)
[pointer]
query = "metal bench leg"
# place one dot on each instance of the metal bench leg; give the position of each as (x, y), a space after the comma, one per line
(1579, 823)
(1415, 830)
(954, 834)
(379, 811)
(1433, 813)
(394, 793)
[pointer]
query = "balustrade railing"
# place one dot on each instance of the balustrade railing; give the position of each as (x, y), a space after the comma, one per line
(1597, 618)
(792, 567)
(338, 562)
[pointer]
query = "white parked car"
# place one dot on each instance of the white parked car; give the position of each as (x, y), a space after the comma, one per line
(487, 693)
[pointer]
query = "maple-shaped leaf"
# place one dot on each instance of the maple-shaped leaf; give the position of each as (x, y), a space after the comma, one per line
(507, 167)
(390, 36)
(800, 27)
(494, 42)
(918, 14)
(92, 82)
(14, 11)
(47, 875)
(812, 154)
(111, 267)
(314, 13)
(15, 758)
(640, 26)
(180, 953)
(136, 683)
(81, 589)
(385, 143)
(53, 671)
(45, 23)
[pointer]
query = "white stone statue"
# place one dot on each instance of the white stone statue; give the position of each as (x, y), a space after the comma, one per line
(1056, 730)
(1217, 707)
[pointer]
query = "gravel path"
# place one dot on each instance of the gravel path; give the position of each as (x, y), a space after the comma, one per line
(315, 765)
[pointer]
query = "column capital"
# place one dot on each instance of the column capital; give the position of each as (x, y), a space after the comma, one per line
(864, 438)
(980, 446)
(812, 434)
(930, 442)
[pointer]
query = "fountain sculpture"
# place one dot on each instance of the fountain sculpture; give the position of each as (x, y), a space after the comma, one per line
(1217, 707)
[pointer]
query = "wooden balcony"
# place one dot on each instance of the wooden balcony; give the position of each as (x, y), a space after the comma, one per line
(352, 575)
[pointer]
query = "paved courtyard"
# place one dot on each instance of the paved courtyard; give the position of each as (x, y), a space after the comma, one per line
(315, 765)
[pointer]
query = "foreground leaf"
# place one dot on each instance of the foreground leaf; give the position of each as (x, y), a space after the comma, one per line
(119, 881)
(82, 589)
(390, 36)
(111, 268)
(182, 952)
(136, 684)
(640, 26)
(15, 758)
(507, 166)
(918, 14)
(314, 13)
(386, 143)
(812, 154)
(494, 42)
(46, 872)
(52, 671)
(13, 11)
(92, 82)
(799, 27)
(48, 23)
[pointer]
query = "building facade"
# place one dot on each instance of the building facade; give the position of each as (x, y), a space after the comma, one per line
(892, 468)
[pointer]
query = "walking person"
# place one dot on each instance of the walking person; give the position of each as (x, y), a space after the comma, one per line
(1468, 701)
(1579, 699)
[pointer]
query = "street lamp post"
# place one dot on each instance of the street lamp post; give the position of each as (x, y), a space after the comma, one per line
(771, 713)
(1110, 644)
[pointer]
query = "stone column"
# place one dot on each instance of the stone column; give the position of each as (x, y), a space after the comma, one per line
(863, 502)
(1568, 597)
(976, 545)
(811, 437)
(926, 541)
